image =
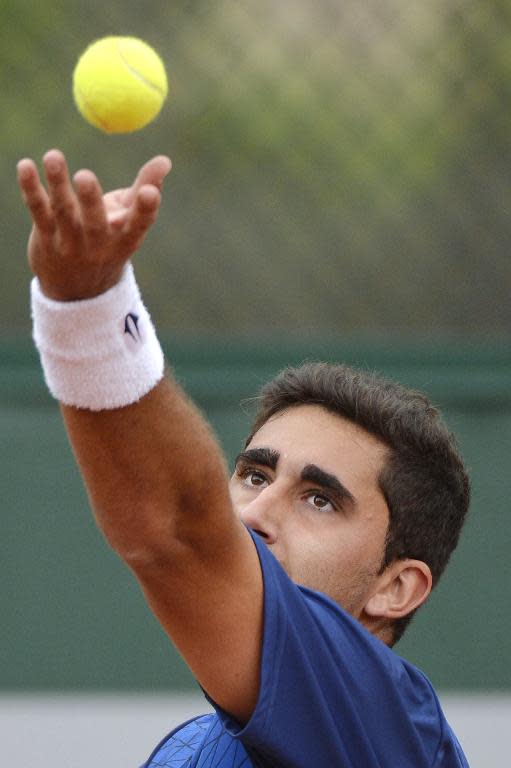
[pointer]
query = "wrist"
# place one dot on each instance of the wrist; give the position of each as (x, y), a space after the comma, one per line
(97, 353)
(73, 288)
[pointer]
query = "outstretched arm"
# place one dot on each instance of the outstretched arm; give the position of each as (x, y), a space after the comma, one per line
(153, 470)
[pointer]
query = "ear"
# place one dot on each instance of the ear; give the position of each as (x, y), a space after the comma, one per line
(403, 587)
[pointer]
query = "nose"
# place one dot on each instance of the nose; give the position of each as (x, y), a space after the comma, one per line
(263, 514)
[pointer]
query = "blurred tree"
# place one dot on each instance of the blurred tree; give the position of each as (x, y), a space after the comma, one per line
(338, 167)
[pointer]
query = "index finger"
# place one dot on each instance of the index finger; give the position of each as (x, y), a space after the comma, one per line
(141, 215)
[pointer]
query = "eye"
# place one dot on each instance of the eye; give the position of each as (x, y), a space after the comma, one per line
(252, 478)
(320, 502)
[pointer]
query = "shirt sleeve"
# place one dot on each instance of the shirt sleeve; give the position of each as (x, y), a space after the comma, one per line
(331, 694)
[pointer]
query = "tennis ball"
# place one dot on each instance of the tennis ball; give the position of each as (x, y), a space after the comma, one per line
(119, 84)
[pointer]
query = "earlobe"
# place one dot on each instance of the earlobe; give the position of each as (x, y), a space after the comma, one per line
(405, 585)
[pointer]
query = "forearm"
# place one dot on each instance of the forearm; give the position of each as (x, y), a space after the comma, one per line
(154, 473)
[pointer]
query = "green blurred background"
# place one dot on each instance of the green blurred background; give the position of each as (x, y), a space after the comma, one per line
(340, 191)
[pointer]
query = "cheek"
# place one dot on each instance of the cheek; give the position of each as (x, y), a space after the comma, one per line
(315, 561)
(340, 568)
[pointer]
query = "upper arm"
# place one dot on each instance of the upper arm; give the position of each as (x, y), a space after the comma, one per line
(209, 600)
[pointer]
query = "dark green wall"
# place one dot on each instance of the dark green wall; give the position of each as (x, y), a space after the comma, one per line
(72, 614)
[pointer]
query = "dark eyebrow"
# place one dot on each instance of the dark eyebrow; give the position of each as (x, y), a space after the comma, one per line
(267, 457)
(314, 474)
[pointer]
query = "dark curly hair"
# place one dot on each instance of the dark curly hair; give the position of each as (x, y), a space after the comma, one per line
(424, 480)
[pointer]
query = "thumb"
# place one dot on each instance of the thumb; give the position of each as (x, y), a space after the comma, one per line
(153, 172)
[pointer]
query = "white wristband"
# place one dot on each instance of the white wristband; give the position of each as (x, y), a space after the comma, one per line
(97, 353)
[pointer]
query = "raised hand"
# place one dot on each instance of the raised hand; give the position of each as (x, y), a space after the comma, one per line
(82, 238)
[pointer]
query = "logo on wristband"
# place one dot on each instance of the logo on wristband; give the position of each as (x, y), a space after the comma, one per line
(131, 327)
(133, 332)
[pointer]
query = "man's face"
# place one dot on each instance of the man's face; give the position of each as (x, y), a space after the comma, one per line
(307, 483)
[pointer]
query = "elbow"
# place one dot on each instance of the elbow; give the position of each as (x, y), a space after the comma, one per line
(156, 532)
(141, 538)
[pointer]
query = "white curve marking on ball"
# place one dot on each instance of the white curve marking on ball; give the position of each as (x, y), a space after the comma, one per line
(93, 112)
(138, 74)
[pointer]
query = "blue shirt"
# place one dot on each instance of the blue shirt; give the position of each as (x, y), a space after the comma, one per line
(331, 696)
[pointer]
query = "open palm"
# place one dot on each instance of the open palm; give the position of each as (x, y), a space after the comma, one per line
(82, 238)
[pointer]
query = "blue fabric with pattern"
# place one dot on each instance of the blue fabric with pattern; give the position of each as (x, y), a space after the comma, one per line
(201, 743)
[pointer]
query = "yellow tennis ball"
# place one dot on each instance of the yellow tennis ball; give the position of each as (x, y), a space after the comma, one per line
(119, 84)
